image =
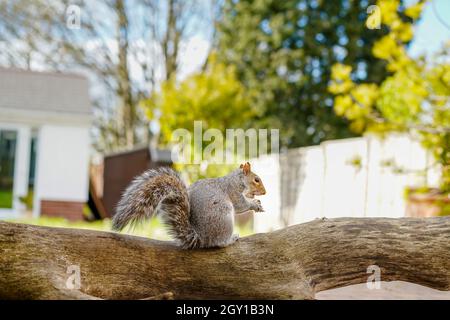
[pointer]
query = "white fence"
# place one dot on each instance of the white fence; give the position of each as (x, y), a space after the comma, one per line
(361, 177)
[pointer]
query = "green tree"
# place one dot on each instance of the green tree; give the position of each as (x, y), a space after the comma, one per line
(415, 98)
(283, 52)
(213, 96)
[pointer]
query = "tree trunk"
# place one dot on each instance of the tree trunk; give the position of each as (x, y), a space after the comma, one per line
(172, 37)
(293, 263)
(128, 110)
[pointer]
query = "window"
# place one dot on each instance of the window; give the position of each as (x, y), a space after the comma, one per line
(8, 141)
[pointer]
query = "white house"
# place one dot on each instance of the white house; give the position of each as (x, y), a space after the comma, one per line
(44, 143)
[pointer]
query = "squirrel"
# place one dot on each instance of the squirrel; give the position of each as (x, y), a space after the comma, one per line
(198, 216)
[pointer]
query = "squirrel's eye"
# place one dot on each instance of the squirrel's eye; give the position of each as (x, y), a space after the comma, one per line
(257, 180)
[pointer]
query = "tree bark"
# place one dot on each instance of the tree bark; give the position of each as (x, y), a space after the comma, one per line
(127, 115)
(292, 263)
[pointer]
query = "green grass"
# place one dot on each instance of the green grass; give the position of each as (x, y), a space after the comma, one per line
(152, 229)
(6, 198)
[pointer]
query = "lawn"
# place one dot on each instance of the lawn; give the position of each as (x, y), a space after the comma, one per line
(6, 198)
(153, 229)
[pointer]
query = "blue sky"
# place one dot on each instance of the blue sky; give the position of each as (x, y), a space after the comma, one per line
(431, 33)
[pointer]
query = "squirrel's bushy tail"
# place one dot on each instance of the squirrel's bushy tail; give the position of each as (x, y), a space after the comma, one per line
(158, 191)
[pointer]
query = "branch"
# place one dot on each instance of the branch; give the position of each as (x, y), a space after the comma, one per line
(292, 263)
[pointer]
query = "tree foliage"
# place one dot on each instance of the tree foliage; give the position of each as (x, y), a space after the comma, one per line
(213, 96)
(283, 52)
(414, 98)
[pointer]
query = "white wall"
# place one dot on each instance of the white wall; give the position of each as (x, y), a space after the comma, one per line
(344, 188)
(62, 169)
(309, 204)
(323, 181)
(268, 169)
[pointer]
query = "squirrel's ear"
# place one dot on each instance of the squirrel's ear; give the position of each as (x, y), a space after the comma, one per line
(245, 168)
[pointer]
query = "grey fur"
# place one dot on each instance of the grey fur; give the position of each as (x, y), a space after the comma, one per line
(200, 216)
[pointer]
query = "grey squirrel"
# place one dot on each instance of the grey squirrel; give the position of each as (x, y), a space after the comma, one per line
(198, 216)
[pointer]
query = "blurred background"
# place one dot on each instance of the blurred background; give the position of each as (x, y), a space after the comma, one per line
(91, 92)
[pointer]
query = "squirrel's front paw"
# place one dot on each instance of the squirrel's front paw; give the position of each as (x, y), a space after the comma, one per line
(257, 207)
(234, 238)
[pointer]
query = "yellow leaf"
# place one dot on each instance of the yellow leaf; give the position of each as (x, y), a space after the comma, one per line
(338, 87)
(385, 48)
(415, 10)
(373, 20)
(340, 71)
(404, 32)
(388, 10)
(341, 104)
(358, 125)
(366, 95)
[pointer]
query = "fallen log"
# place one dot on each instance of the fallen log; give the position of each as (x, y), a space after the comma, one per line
(292, 263)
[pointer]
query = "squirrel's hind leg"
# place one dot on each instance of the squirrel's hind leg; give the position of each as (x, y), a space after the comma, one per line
(230, 241)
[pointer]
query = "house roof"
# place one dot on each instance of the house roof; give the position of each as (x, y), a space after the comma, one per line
(42, 91)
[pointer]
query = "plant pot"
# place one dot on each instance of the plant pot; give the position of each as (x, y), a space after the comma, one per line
(431, 202)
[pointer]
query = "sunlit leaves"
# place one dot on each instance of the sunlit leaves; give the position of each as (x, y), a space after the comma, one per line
(401, 97)
(388, 10)
(342, 103)
(342, 83)
(415, 98)
(284, 51)
(414, 10)
(388, 48)
(214, 96)
(365, 96)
